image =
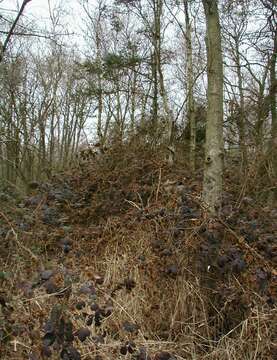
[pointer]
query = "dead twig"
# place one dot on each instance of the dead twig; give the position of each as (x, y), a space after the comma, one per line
(242, 242)
(159, 184)
(33, 256)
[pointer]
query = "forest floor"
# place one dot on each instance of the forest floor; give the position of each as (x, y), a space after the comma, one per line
(116, 261)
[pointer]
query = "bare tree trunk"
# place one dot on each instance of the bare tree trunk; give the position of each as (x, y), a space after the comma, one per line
(262, 114)
(158, 4)
(155, 109)
(272, 94)
(241, 117)
(271, 19)
(133, 101)
(169, 119)
(213, 170)
(156, 40)
(190, 85)
(119, 117)
(99, 84)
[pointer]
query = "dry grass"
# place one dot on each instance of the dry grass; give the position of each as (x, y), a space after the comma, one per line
(174, 312)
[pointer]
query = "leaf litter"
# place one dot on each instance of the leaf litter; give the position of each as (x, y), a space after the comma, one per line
(154, 280)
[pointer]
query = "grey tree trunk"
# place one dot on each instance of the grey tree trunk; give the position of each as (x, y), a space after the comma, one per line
(213, 170)
(164, 96)
(273, 103)
(190, 86)
(169, 118)
(99, 85)
(241, 118)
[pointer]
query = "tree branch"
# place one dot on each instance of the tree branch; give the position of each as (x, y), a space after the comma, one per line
(10, 33)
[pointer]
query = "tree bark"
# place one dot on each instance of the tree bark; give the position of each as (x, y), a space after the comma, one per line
(272, 94)
(241, 117)
(213, 169)
(190, 86)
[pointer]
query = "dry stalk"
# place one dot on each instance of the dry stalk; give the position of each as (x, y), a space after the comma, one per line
(33, 256)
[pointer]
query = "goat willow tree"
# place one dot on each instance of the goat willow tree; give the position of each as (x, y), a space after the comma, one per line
(212, 186)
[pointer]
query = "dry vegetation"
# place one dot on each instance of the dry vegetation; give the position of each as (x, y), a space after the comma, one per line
(117, 250)
(109, 263)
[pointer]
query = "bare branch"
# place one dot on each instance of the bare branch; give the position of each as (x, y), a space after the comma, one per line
(11, 32)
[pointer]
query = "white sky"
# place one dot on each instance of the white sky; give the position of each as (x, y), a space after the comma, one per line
(36, 8)
(38, 11)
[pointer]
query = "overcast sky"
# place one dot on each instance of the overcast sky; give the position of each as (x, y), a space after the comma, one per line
(38, 11)
(36, 8)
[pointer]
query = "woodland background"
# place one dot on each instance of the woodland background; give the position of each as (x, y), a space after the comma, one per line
(136, 71)
(138, 180)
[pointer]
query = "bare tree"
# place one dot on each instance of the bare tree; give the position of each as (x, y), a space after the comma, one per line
(213, 171)
(11, 31)
(234, 31)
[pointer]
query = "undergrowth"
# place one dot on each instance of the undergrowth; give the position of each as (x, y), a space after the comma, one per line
(116, 261)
